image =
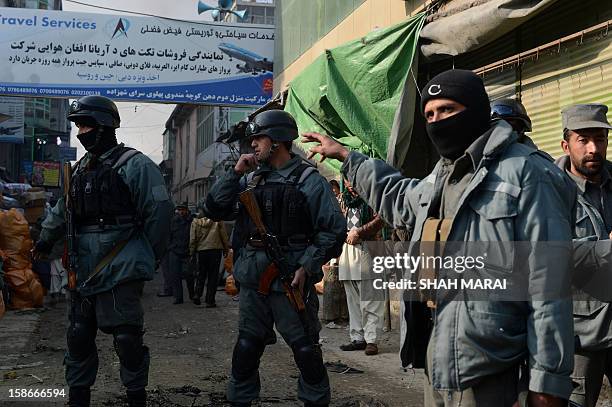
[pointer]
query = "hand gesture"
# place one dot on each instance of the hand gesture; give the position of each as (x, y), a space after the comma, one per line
(299, 279)
(246, 163)
(352, 237)
(327, 147)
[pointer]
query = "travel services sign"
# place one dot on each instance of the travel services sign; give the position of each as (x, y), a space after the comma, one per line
(64, 54)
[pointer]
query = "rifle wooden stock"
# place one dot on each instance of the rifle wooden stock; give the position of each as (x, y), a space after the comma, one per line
(250, 204)
(266, 279)
(247, 198)
(69, 247)
(295, 297)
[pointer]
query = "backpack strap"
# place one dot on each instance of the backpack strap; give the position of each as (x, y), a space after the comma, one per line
(300, 173)
(128, 153)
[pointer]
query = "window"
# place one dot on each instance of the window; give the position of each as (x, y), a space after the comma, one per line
(260, 15)
(37, 111)
(201, 190)
(178, 160)
(205, 127)
(270, 15)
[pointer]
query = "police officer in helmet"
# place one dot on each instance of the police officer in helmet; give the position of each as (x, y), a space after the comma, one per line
(121, 213)
(513, 111)
(298, 206)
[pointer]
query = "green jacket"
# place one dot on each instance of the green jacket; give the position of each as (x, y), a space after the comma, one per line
(328, 223)
(515, 194)
(136, 261)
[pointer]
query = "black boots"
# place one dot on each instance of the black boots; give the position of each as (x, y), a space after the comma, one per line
(137, 398)
(79, 397)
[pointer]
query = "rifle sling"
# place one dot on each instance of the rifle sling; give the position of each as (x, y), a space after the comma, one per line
(435, 233)
(108, 258)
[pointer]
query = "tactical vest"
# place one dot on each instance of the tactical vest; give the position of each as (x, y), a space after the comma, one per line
(99, 195)
(283, 209)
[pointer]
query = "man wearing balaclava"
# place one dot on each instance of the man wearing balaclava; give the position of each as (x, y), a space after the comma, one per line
(121, 215)
(484, 348)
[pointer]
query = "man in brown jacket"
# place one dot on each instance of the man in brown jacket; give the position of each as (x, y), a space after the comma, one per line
(208, 240)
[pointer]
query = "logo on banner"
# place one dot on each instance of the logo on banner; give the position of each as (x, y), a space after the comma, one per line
(121, 28)
(268, 85)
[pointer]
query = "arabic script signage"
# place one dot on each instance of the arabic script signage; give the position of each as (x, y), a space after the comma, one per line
(64, 54)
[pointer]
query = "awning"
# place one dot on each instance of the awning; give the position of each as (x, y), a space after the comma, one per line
(460, 26)
(351, 92)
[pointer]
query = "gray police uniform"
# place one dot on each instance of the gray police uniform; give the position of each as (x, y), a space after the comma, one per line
(111, 301)
(592, 317)
(323, 229)
(500, 191)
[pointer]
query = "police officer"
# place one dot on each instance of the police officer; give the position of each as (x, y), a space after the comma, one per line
(299, 207)
(585, 141)
(486, 187)
(122, 215)
(513, 111)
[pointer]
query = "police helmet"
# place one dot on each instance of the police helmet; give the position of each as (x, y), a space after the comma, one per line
(100, 110)
(510, 109)
(276, 124)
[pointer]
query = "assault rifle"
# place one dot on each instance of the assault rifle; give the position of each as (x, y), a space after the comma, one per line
(279, 267)
(70, 254)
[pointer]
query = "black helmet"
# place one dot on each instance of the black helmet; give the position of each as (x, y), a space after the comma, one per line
(276, 124)
(510, 109)
(101, 110)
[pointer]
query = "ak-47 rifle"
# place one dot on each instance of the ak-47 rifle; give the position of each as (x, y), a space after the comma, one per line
(279, 267)
(70, 254)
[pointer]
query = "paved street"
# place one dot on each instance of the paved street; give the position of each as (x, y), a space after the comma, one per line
(191, 356)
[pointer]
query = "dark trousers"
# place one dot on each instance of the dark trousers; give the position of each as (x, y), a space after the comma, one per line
(118, 312)
(178, 265)
(590, 367)
(165, 269)
(208, 269)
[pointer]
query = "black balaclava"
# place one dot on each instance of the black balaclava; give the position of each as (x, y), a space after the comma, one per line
(98, 140)
(453, 135)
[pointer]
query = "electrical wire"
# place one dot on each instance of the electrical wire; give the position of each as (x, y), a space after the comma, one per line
(147, 14)
(142, 127)
(125, 11)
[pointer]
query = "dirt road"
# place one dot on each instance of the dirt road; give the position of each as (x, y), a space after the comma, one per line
(191, 350)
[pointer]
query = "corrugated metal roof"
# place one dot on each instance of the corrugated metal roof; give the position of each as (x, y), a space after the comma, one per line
(561, 19)
(501, 83)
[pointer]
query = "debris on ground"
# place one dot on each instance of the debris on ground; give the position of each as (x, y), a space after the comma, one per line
(339, 367)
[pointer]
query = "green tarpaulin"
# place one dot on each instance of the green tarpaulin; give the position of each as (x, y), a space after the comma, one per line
(351, 92)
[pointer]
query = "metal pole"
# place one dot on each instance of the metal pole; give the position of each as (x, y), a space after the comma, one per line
(32, 142)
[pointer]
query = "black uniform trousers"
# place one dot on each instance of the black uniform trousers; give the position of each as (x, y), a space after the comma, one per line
(209, 262)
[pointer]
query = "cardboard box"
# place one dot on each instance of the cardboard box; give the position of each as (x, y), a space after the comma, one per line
(36, 202)
(34, 196)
